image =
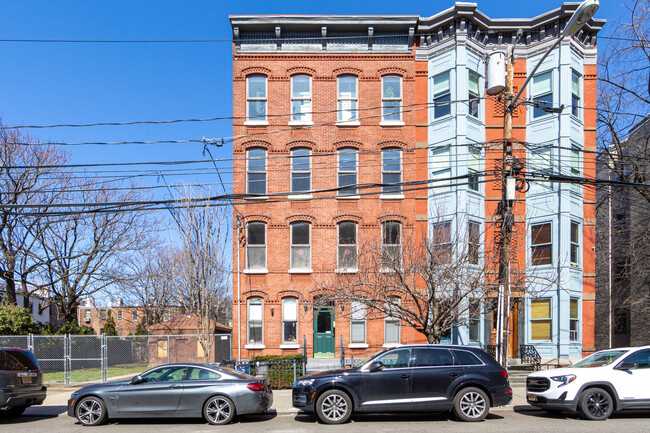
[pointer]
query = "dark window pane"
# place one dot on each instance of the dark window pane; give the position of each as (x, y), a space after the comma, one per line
(300, 233)
(347, 233)
(257, 160)
(464, 357)
(345, 180)
(257, 183)
(391, 233)
(538, 112)
(391, 160)
(442, 106)
(391, 178)
(541, 255)
(433, 357)
(300, 160)
(541, 234)
(300, 182)
(348, 160)
(324, 321)
(289, 331)
(574, 232)
(256, 233)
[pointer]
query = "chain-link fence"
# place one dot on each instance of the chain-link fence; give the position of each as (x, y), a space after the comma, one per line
(75, 359)
(281, 373)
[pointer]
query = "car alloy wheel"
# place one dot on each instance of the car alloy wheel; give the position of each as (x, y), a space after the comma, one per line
(595, 404)
(471, 404)
(91, 411)
(334, 407)
(219, 410)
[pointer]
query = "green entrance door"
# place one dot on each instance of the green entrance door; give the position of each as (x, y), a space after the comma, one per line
(324, 332)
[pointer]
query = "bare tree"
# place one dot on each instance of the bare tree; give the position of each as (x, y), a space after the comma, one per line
(29, 174)
(84, 250)
(148, 280)
(624, 97)
(432, 284)
(202, 272)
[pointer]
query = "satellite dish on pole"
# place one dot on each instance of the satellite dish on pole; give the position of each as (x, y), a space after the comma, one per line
(496, 73)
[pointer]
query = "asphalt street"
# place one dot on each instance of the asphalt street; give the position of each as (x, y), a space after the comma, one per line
(518, 417)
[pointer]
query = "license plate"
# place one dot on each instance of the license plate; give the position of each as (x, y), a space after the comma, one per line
(26, 379)
(532, 397)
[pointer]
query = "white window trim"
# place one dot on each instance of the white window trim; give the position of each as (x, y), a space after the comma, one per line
(339, 120)
(266, 171)
(263, 270)
(308, 121)
(301, 194)
(580, 95)
(401, 234)
(400, 121)
(470, 94)
(578, 261)
(339, 172)
(550, 223)
(531, 320)
(292, 269)
(400, 194)
(264, 122)
(433, 96)
(533, 96)
(578, 339)
(340, 270)
(284, 341)
(250, 345)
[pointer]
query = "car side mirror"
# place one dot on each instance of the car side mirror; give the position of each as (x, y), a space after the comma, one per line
(375, 366)
(627, 366)
(137, 379)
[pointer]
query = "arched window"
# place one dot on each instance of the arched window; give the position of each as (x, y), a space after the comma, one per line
(347, 247)
(391, 98)
(300, 170)
(301, 98)
(391, 244)
(256, 171)
(347, 98)
(256, 98)
(391, 171)
(347, 171)
(300, 246)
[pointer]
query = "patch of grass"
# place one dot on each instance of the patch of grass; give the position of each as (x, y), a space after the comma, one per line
(95, 374)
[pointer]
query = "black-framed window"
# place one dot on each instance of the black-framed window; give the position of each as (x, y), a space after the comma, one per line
(474, 319)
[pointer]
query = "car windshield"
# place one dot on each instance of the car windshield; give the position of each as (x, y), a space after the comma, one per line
(599, 359)
(374, 355)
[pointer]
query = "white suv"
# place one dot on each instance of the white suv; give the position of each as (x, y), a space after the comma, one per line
(596, 386)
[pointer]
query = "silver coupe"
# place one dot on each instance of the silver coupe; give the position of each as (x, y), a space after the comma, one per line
(174, 390)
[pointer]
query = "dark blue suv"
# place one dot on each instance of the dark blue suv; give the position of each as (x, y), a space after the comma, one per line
(408, 378)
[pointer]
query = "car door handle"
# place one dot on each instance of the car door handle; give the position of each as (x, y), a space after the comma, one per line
(405, 376)
(453, 374)
(174, 386)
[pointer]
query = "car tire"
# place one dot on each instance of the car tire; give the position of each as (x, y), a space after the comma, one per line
(12, 412)
(219, 410)
(595, 404)
(471, 404)
(334, 407)
(90, 411)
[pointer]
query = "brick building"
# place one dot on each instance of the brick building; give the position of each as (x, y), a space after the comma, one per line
(333, 74)
(308, 97)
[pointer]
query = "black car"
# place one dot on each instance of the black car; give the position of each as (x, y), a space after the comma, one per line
(21, 382)
(408, 378)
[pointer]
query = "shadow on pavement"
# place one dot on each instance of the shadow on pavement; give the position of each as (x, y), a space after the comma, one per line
(541, 413)
(306, 417)
(243, 419)
(36, 413)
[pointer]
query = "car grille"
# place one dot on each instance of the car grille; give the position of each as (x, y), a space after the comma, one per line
(537, 384)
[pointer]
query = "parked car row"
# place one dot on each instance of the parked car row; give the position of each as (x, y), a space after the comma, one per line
(464, 380)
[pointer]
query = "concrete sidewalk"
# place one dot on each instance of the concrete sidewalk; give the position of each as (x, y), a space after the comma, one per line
(58, 396)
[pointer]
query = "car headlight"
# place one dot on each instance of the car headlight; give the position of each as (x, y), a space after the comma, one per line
(564, 380)
(304, 382)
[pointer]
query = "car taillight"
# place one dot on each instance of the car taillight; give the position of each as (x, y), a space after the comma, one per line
(255, 387)
(504, 373)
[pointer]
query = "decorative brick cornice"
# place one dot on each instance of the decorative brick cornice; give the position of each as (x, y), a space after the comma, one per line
(301, 143)
(393, 71)
(285, 293)
(257, 217)
(300, 217)
(255, 143)
(348, 143)
(391, 217)
(254, 293)
(301, 70)
(255, 70)
(346, 70)
(347, 217)
(392, 143)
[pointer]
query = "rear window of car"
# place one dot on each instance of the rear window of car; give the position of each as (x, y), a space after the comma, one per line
(17, 360)
(432, 357)
(463, 357)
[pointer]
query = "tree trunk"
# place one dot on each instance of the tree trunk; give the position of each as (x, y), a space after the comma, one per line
(10, 283)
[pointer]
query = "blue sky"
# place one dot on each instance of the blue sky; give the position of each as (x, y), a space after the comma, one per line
(83, 83)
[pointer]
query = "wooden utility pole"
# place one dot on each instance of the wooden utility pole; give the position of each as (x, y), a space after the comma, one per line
(506, 213)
